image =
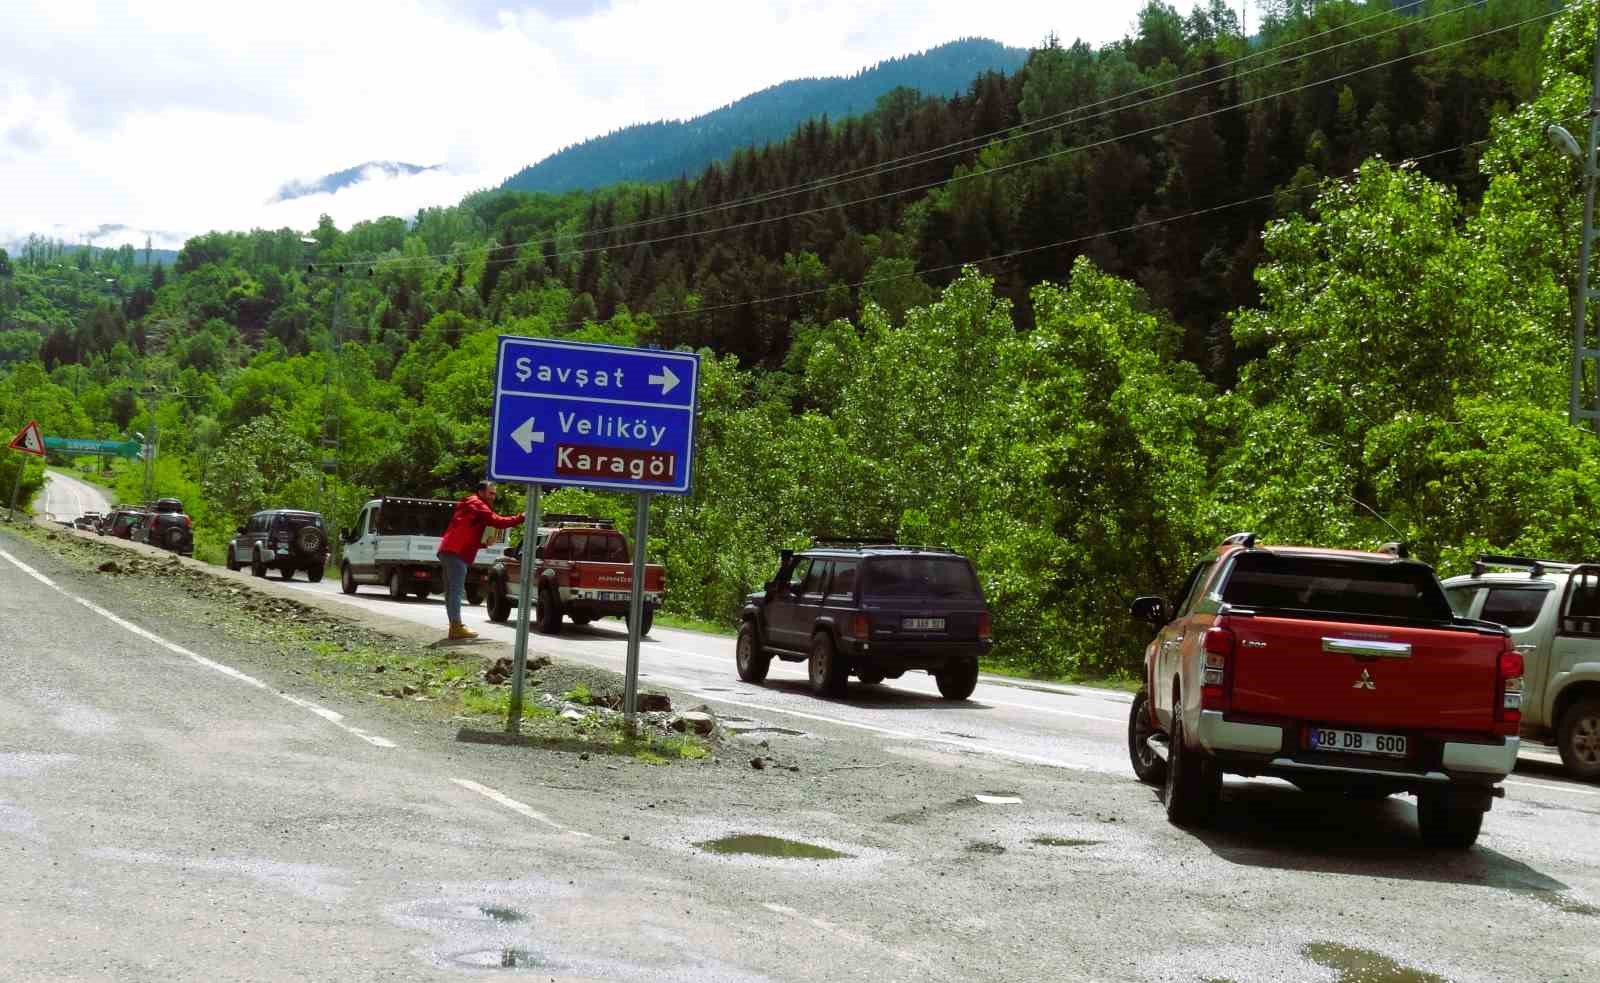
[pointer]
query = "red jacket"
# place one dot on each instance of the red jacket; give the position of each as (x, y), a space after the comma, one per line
(465, 533)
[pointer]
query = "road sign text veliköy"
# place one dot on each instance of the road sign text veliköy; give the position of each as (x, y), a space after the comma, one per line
(600, 416)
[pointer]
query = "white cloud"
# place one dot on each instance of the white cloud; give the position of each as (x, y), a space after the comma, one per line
(188, 115)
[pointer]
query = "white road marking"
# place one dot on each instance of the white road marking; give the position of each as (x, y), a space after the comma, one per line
(331, 716)
(1551, 788)
(520, 808)
(1060, 713)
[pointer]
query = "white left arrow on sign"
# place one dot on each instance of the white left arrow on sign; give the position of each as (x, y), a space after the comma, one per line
(526, 436)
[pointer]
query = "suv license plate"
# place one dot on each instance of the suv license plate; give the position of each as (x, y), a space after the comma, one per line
(922, 624)
(1358, 742)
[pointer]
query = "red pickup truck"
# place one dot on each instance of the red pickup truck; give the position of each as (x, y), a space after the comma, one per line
(584, 572)
(1338, 671)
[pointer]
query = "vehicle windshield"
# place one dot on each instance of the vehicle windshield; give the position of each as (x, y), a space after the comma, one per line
(1395, 591)
(920, 576)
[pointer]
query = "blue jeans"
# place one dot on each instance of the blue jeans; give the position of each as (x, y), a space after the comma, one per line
(455, 583)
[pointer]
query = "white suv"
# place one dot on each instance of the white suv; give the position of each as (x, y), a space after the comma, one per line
(1553, 612)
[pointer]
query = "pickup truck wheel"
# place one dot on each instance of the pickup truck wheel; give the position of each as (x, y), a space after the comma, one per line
(474, 594)
(748, 656)
(548, 613)
(1578, 739)
(397, 585)
(1193, 783)
(1147, 765)
(958, 679)
(827, 671)
(498, 603)
(347, 580)
(1445, 823)
(314, 574)
(645, 622)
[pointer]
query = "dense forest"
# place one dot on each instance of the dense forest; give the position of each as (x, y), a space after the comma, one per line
(668, 149)
(1078, 322)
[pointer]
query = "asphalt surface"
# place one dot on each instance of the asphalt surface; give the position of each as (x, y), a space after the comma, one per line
(64, 498)
(179, 814)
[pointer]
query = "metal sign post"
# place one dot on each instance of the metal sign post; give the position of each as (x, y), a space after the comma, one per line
(630, 686)
(519, 656)
(592, 416)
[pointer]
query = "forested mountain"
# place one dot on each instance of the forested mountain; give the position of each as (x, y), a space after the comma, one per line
(1078, 321)
(329, 183)
(668, 149)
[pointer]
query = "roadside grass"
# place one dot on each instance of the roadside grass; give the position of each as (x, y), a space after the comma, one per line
(1121, 682)
(691, 623)
(436, 684)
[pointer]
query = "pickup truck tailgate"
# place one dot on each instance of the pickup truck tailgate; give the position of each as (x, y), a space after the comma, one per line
(1387, 677)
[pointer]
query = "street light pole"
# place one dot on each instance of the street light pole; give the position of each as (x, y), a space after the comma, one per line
(1579, 404)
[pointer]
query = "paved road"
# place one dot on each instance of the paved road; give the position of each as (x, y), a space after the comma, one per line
(170, 810)
(1069, 726)
(65, 498)
(1036, 723)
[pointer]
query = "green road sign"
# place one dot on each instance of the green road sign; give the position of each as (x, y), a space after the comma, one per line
(101, 448)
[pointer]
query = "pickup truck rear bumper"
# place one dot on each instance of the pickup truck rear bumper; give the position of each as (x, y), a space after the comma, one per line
(1474, 762)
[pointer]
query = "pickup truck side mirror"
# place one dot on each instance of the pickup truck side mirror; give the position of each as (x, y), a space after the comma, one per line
(348, 535)
(1151, 610)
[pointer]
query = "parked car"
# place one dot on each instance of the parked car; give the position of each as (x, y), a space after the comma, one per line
(285, 540)
(584, 571)
(123, 521)
(88, 521)
(1552, 611)
(874, 612)
(167, 526)
(1339, 671)
(395, 543)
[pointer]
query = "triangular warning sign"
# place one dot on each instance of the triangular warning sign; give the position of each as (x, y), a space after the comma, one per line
(29, 441)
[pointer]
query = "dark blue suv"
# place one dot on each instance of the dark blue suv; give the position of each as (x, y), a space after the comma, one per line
(872, 612)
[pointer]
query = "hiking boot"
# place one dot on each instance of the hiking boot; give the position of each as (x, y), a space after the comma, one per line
(461, 633)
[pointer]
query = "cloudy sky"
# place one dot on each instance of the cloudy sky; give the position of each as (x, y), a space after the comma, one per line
(179, 116)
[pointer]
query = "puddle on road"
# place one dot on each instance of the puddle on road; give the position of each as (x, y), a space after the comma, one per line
(1355, 965)
(1064, 841)
(505, 915)
(754, 845)
(784, 731)
(1562, 902)
(507, 958)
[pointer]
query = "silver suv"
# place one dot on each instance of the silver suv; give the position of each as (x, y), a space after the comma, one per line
(1553, 612)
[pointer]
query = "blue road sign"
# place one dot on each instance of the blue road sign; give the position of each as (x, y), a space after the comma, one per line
(595, 416)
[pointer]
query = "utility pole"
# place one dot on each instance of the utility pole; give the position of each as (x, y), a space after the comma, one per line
(1580, 405)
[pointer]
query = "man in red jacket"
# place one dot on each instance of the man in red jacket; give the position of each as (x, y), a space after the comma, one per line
(459, 548)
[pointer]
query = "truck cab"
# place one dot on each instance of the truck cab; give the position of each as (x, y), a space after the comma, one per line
(1552, 610)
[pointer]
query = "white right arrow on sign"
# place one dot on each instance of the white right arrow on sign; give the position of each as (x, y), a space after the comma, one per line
(666, 380)
(526, 436)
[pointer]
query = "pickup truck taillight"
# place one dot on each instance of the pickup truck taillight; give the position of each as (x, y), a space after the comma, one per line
(1508, 702)
(1217, 647)
(985, 629)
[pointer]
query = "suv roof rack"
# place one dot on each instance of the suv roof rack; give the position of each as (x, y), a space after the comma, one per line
(561, 520)
(1401, 550)
(1535, 567)
(1245, 539)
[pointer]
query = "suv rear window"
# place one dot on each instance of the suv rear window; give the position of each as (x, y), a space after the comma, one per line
(1403, 591)
(913, 576)
(296, 522)
(1513, 607)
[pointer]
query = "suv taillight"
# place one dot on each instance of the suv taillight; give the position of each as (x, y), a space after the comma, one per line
(1508, 701)
(860, 625)
(985, 629)
(1217, 647)
(187, 523)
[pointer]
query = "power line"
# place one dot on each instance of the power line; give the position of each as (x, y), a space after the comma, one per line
(967, 144)
(410, 262)
(1015, 253)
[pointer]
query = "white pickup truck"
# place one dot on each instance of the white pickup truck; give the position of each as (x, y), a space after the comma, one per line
(1552, 610)
(395, 543)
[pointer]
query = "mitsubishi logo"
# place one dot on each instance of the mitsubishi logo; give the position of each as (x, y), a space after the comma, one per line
(1365, 682)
